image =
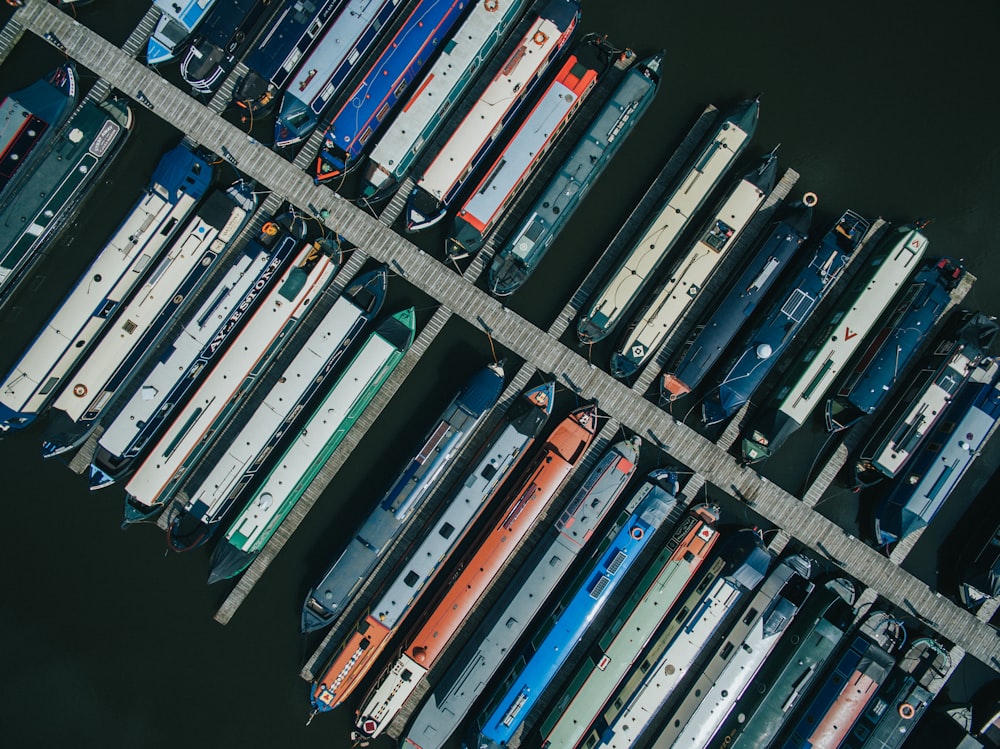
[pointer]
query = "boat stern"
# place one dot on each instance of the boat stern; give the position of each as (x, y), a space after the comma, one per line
(422, 211)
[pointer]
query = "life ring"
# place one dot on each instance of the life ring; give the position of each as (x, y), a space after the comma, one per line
(540, 38)
(637, 533)
(810, 199)
(491, 6)
(907, 711)
(79, 390)
(270, 229)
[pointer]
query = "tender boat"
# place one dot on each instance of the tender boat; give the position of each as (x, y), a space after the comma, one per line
(310, 449)
(520, 602)
(116, 359)
(178, 183)
(414, 485)
(208, 501)
(491, 115)
(30, 117)
(428, 107)
(336, 55)
(774, 254)
(664, 230)
(380, 92)
(544, 476)
(182, 445)
(786, 317)
(32, 215)
(693, 270)
(856, 314)
(555, 206)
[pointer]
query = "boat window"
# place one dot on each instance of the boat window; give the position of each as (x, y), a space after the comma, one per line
(411, 579)
(726, 650)
(449, 47)
(947, 427)
(400, 89)
(365, 135)
(489, 472)
(129, 326)
(382, 112)
(168, 227)
(49, 386)
(446, 530)
(554, 561)
(750, 616)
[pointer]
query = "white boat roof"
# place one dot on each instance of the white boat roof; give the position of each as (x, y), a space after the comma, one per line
(299, 456)
(202, 326)
(157, 293)
(694, 270)
(849, 327)
(922, 415)
(716, 691)
(666, 227)
(178, 449)
(243, 450)
(108, 280)
(459, 61)
(486, 114)
(312, 80)
(519, 155)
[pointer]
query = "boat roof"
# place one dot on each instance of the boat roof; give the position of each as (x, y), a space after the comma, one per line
(455, 68)
(586, 597)
(524, 149)
(790, 313)
(181, 445)
(692, 271)
(492, 108)
(856, 315)
(943, 458)
(324, 69)
(321, 433)
(664, 229)
(288, 38)
(641, 615)
(745, 293)
(557, 201)
(918, 309)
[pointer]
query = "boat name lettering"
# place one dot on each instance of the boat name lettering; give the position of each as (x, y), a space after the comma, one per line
(244, 305)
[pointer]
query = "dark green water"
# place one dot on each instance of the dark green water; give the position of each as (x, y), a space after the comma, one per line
(887, 108)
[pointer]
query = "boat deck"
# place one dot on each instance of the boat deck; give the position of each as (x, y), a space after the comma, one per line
(541, 348)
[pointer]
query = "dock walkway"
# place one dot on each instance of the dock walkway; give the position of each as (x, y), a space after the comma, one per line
(524, 339)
